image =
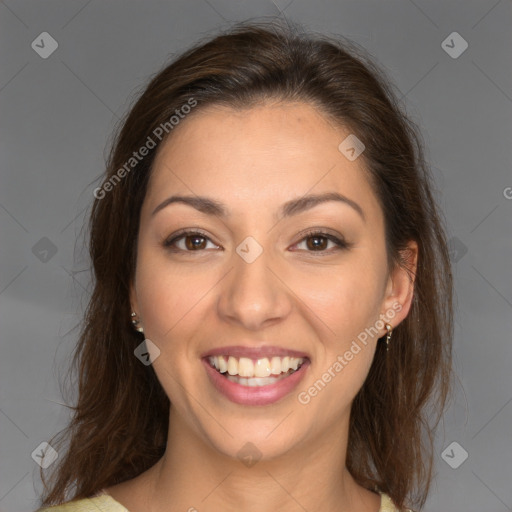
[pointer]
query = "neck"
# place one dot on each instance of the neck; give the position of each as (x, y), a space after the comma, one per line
(192, 475)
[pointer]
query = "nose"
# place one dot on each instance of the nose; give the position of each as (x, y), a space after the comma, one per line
(254, 295)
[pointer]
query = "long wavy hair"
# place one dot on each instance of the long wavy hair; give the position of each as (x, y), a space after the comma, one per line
(119, 424)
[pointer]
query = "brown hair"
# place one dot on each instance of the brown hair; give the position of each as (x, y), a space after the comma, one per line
(119, 425)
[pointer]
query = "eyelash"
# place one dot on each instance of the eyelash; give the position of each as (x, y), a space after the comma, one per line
(340, 243)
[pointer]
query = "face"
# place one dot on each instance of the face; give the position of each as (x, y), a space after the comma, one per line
(253, 272)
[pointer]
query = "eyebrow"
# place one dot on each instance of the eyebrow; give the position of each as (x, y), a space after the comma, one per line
(210, 206)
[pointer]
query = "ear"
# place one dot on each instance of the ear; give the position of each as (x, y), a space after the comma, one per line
(400, 287)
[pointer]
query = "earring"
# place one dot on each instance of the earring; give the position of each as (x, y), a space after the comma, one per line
(389, 328)
(136, 322)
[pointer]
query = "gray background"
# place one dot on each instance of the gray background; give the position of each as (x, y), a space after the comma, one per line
(58, 113)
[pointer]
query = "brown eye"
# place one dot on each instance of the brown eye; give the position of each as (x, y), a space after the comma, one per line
(322, 243)
(317, 243)
(193, 242)
(188, 241)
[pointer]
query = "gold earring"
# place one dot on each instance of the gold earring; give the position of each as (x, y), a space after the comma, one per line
(136, 323)
(389, 328)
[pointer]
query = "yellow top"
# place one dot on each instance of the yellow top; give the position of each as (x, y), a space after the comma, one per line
(104, 502)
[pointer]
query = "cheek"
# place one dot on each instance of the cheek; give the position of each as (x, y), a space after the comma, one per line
(346, 297)
(346, 303)
(165, 291)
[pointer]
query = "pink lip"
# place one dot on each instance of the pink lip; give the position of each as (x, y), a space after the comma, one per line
(262, 395)
(254, 352)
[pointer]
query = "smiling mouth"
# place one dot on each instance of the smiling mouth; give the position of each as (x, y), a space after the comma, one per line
(255, 372)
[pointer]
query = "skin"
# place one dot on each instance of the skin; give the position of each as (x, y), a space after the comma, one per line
(292, 295)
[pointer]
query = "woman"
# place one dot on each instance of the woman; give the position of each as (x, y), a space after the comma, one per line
(272, 311)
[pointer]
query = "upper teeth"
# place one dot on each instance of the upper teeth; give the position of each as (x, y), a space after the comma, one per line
(245, 367)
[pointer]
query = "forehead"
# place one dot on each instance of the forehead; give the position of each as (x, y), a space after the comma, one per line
(255, 157)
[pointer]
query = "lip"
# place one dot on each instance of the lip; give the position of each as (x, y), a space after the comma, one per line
(261, 395)
(254, 352)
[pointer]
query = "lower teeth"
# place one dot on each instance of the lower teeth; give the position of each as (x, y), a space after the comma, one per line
(253, 382)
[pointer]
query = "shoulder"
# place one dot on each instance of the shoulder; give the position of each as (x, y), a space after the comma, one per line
(104, 502)
(387, 505)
